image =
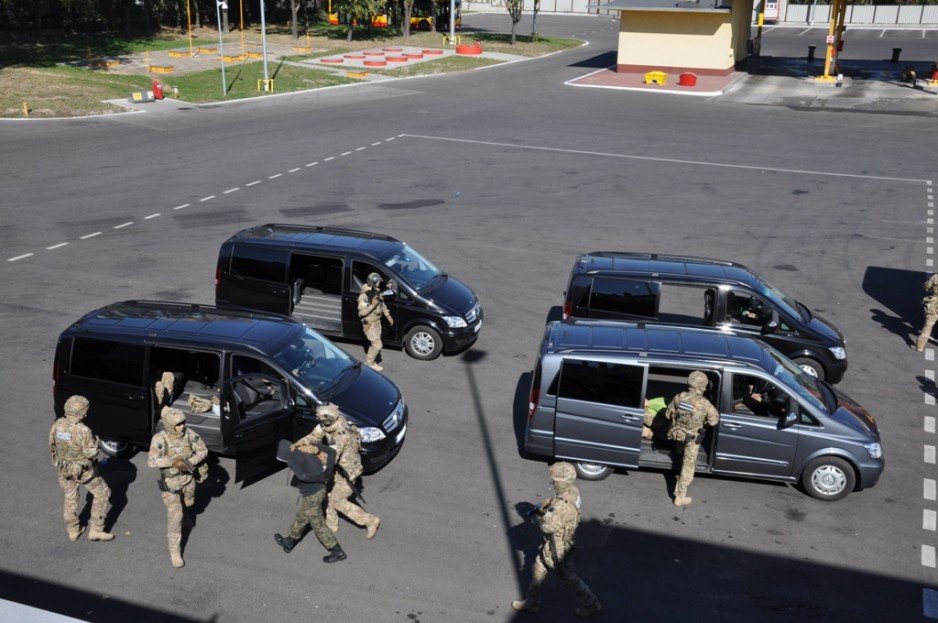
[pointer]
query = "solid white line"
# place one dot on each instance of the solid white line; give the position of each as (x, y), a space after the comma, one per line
(928, 556)
(231, 190)
(207, 198)
(328, 159)
(254, 183)
(56, 246)
(930, 489)
(86, 236)
(123, 225)
(294, 170)
(929, 454)
(929, 424)
(376, 144)
(929, 518)
(273, 177)
(804, 31)
(312, 164)
(670, 160)
(185, 205)
(154, 215)
(345, 153)
(360, 148)
(20, 257)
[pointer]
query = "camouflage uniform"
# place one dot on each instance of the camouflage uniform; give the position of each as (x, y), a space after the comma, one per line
(688, 412)
(559, 519)
(370, 309)
(163, 389)
(177, 453)
(346, 441)
(930, 303)
(74, 450)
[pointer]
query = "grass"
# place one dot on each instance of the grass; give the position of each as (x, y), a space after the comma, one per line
(63, 91)
(205, 86)
(449, 64)
(81, 48)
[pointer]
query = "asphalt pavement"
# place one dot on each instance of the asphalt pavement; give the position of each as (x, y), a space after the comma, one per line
(500, 176)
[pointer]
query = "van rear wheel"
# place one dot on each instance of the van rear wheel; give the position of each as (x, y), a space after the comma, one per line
(829, 478)
(117, 449)
(592, 471)
(423, 343)
(812, 367)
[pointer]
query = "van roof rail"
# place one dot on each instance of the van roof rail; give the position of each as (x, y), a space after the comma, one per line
(274, 228)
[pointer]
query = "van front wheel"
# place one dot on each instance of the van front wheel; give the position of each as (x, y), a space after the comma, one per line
(592, 471)
(423, 343)
(117, 449)
(828, 478)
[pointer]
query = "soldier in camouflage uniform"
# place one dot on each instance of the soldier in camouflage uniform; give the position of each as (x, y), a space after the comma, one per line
(345, 439)
(930, 303)
(74, 450)
(179, 453)
(688, 412)
(370, 309)
(559, 517)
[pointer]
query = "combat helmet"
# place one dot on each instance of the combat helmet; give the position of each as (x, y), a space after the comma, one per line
(328, 413)
(563, 473)
(374, 280)
(76, 406)
(698, 380)
(171, 418)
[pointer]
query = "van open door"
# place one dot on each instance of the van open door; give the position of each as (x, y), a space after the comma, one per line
(263, 413)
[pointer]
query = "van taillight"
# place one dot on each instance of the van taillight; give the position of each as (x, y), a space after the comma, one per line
(567, 309)
(217, 275)
(535, 392)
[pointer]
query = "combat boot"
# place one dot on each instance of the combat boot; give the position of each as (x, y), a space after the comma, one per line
(74, 533)
(375, 366)
(522, 605)
(176, 558)
(682, 500)
(373, 527)
(588, 611)
(286, 543)
(335, 555)
(99, 535)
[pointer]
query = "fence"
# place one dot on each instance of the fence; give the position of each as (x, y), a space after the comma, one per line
(546, 6)
(879, 14)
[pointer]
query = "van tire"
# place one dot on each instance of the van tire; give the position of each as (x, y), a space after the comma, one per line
(117, 449)
(810, 366)
(828, 478)
(423, 342)
(592, 471)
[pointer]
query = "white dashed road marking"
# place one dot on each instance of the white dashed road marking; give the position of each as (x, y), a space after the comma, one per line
(154, 215)
(929, 354)
(328, 159)
(56, 246)
(254, 183)
(207, 198)
(294, 170)
(273, 177)
(231, 190)
(360, 148)
(388, 140)
(929, 520)
(312, 164)
(20, 257)
(930, 489)
(185, 205)
(928, 556)
(930, 424)
(86, 236)
(123, 225)
(345, 153)
(376, 144)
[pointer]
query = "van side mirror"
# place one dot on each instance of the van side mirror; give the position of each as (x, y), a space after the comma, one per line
(788, 421)
(391, 288)
(772, 325)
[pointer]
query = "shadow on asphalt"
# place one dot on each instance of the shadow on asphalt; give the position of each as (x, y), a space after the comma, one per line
(602, 61)
(899, 293)
(118, 474)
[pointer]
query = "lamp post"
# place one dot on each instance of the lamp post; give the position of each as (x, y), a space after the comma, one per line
(219, 5)
(264, 45)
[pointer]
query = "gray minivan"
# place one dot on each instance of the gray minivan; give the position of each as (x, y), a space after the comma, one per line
(593, 378)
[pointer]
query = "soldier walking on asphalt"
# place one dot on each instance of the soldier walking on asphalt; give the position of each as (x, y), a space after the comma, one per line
(688, 412)
(179, 453)
(313, 467)
(74, 450)
(558, 518)
(370, 309)
(930, 302)
(345, 440)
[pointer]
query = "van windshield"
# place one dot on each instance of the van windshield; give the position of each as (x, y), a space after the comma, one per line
(314, 361)
(793, 377)
(780, 299)
(413, 268)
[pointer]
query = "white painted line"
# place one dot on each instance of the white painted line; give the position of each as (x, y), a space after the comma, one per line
(928, 556)
(929, 354)
(86, 236)
(123, 225)
(207, 198)
(882, 33)
(231, 190)
(294, 170)
(376, 144)
(56, 246)
(929, 262)
(804, 31)
(401, 135)
(929, 424)
(929, 240)
(273, 177)
(931, 204)
(745, 167)
(929, 492)
(923, 33)
(388, 140)
(930, 375)
(254, 183)
(345, 153)
(154, 215)
(328, 159)
(929, 221)
(312, 164)
(928, 182)
(929, 250)
(929, 518)
(929, 454)
(360, 148)
(930, 603)
(182, 207)
(929, 230)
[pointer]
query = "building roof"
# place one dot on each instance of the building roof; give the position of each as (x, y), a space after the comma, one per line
(704, 6)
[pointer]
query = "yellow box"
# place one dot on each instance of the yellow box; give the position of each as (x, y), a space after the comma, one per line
(255, 55)
(208, 50)
(234, 58)
(161, 69)
(656, 77)
(178, 54)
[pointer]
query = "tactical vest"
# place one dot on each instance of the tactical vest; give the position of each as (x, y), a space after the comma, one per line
(689, 417)
(346, 439)
(172, 478)
(67, 451)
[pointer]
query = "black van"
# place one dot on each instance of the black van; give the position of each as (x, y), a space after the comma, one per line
(316, 274)
(268, 372)
(700, 292)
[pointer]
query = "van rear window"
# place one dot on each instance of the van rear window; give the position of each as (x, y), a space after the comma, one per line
(258, 263)
(105, 360)
(622, 296)
(602, 382)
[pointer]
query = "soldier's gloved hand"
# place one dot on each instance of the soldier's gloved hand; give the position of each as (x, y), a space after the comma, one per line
(75, 470)
(180, 465)
(293, 447)
(390, 322)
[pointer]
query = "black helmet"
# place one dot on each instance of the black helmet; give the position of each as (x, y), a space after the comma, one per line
(374, 280)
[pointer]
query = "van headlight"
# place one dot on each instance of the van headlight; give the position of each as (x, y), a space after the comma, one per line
(371, 434)
(875, 450)
(838, 352)
(455, 322)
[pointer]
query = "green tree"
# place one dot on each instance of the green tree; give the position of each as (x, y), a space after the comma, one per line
(514, 10)
(360, 11)
(408, 10)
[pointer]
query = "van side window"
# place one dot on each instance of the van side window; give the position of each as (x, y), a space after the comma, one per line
(746, 309)
(108, 361)
(687, 305)
(258, 263)
(196, 376)
(755, 396)
(599, 381)
(360, 272)
(625, 297)
(315, 274)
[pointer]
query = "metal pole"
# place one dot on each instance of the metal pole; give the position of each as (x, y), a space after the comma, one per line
(264, 45)
(452, 20)
(221, 50)
(241, 27)
(189, 26)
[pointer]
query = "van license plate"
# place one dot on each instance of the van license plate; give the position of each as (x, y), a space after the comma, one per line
(400, 435)
(477, 327)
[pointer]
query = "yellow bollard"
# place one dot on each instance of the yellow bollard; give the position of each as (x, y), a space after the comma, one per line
(25, 109)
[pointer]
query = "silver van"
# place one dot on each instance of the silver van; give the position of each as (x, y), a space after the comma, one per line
(593, 379)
